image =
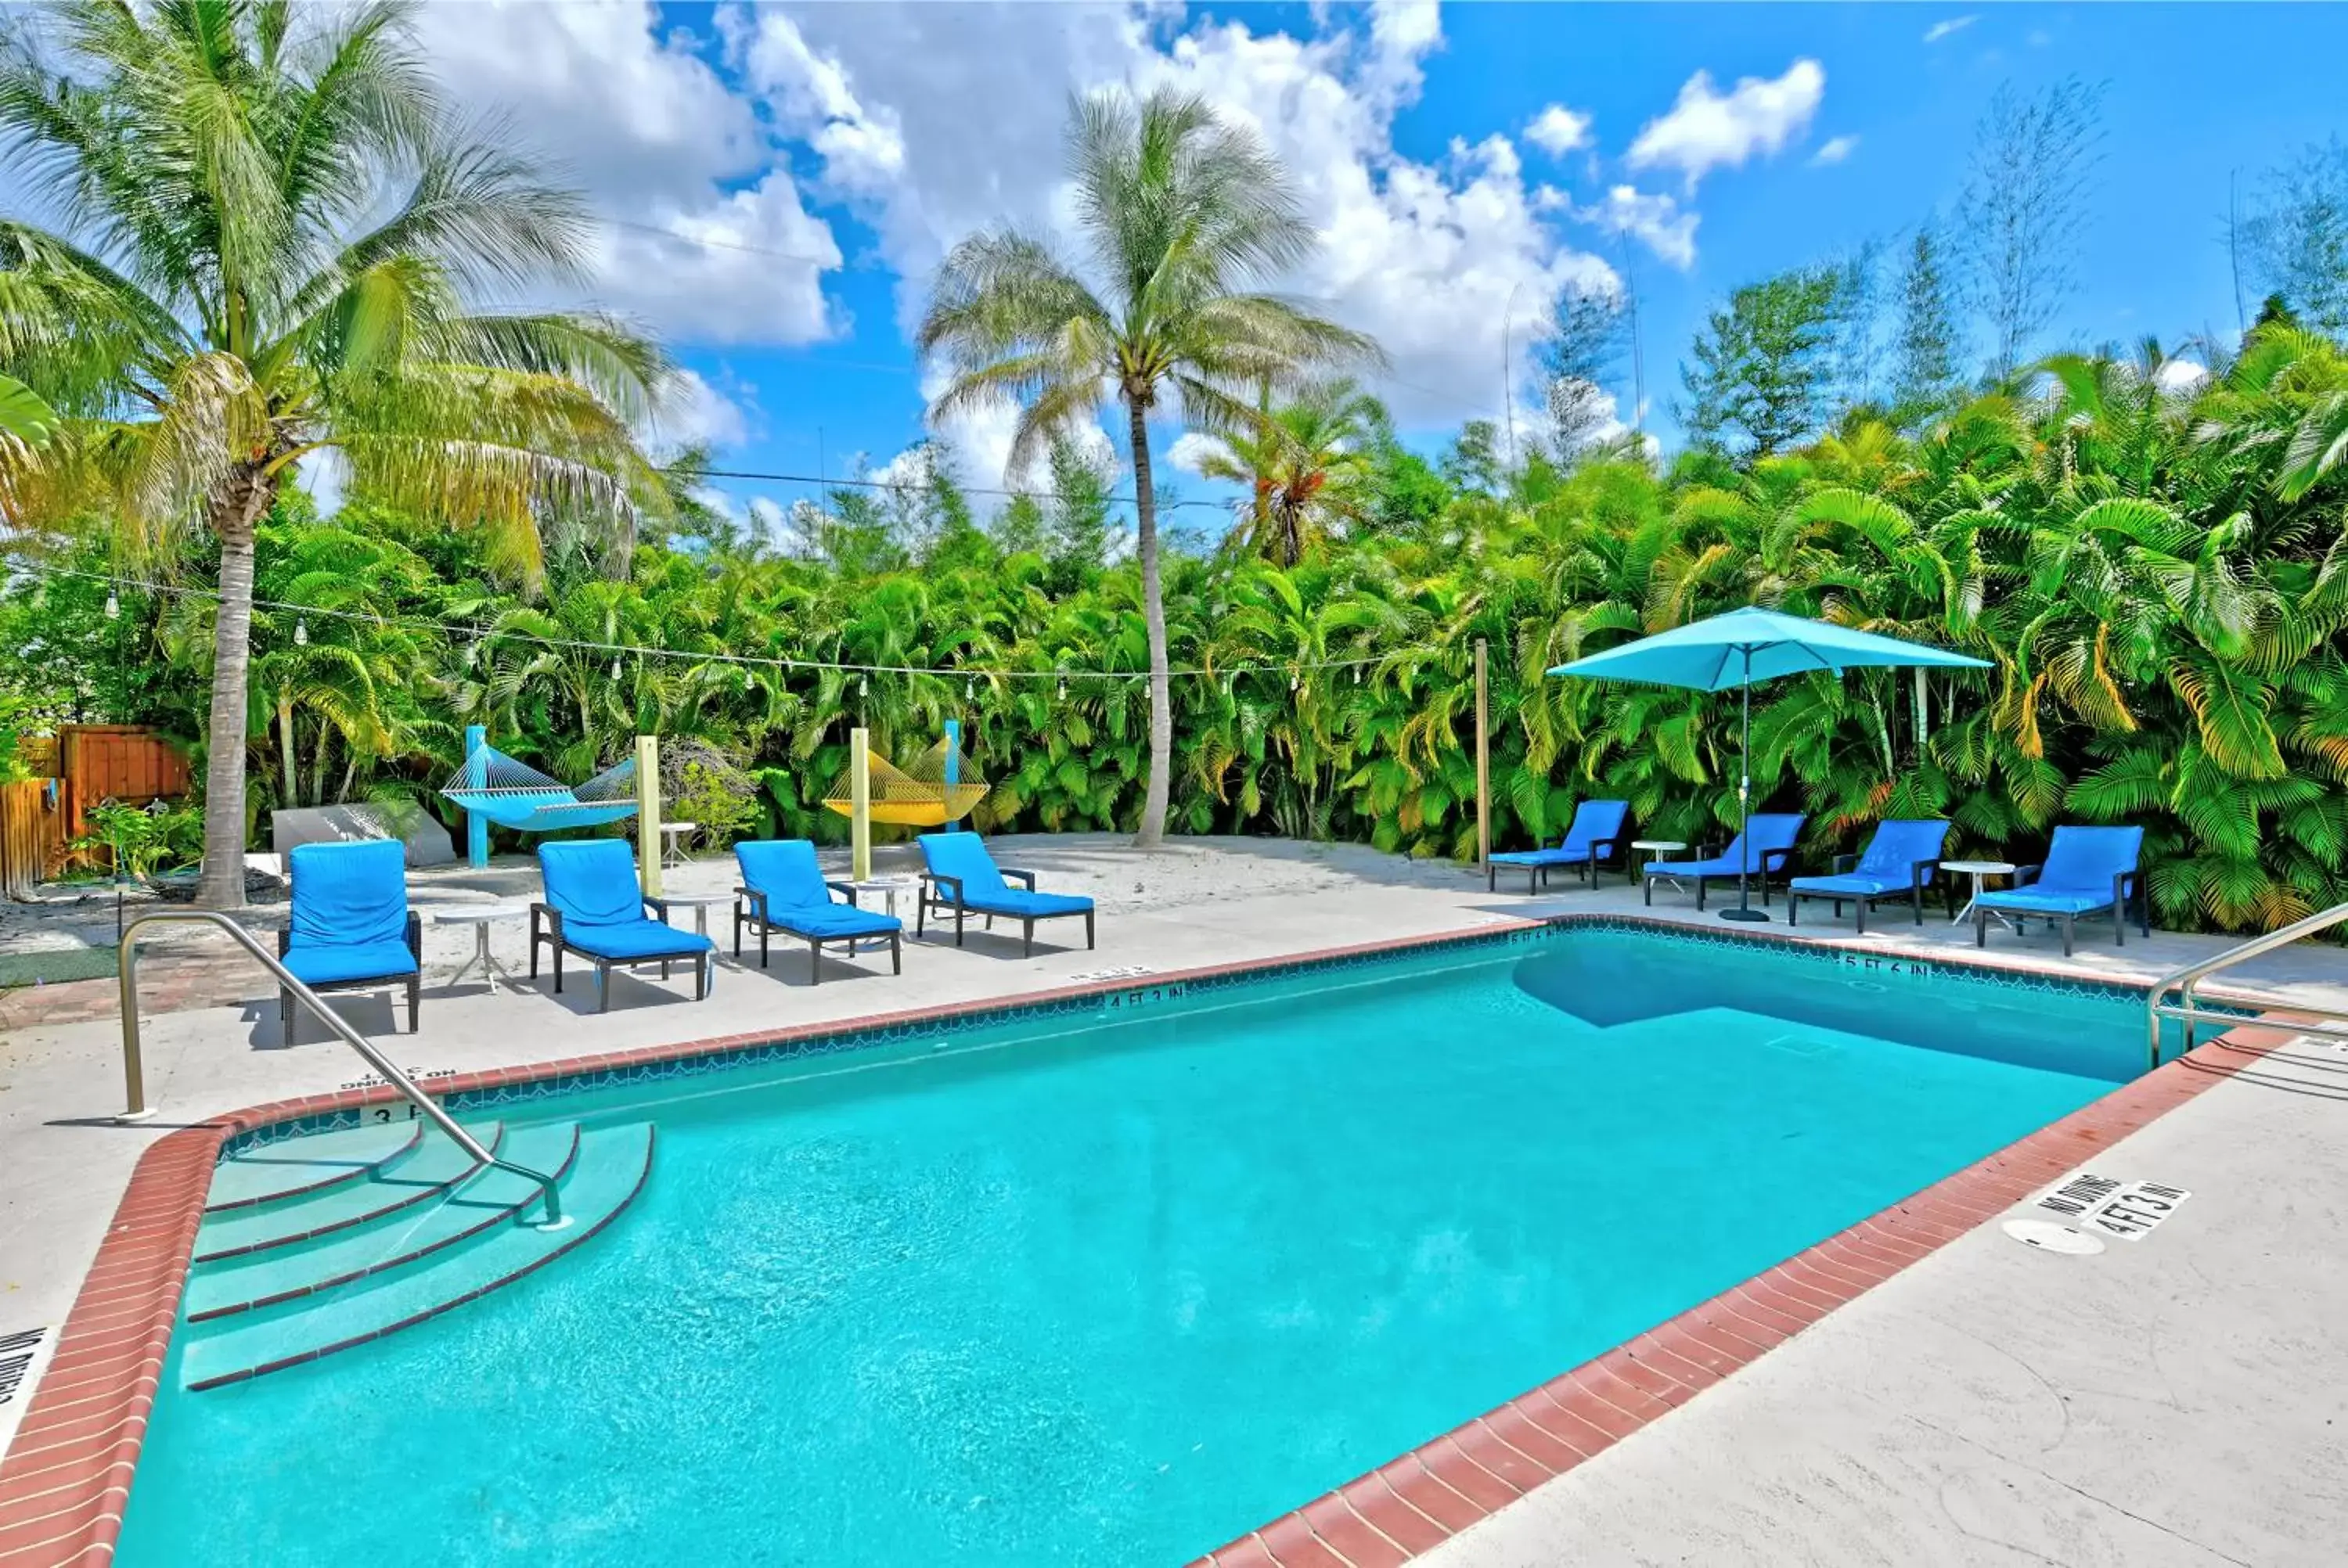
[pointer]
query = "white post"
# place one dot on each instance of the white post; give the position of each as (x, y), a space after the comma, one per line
(648, 814)
(860, 794)
(1924, 711)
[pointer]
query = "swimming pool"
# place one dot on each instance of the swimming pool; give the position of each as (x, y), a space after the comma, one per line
(1114, 1286)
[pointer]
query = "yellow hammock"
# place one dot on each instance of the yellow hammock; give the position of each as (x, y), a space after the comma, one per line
(918, 797)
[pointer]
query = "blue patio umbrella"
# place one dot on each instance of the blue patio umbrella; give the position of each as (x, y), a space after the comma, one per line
(1747, 645)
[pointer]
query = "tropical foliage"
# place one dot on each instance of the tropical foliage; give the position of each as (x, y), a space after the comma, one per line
(2149, 551)
(2154, 566)
(1188, 217)
(271, 229)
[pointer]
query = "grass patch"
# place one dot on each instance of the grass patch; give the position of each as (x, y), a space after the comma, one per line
(50, 968)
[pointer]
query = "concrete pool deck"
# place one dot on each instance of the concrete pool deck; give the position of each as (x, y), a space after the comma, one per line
(2168, 1398)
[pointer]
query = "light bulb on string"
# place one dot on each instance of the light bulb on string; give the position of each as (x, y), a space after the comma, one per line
(615, 669)
(861, 688)
(301, 634)
(1064, 688)
(970, 689)
(113, 606)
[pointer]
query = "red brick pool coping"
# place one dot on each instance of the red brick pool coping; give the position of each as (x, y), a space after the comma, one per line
(66, 1479)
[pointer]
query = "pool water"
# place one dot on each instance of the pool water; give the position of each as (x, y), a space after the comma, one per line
(1070, 1291)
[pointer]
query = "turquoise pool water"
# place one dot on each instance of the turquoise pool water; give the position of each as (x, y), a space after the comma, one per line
(1075, 1292)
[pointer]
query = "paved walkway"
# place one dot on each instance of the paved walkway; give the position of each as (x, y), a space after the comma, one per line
(1991, 1404)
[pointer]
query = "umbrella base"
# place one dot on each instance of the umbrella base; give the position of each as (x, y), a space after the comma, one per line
(1744, 913)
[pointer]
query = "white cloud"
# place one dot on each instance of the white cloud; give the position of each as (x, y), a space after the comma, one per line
(1558, 130)
(1939, 30)
(696, 414)
(1190, 451)
(633, 114)
(1652, 217)
(1422, 255)
(1834, 151)
(1708, 129)
(2180, 375)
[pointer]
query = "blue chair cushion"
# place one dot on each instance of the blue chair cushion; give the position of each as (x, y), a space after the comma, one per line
(1747, 852)
(1851, 884)
(592, 882)
(2053, 901)
(962, 855)
(1022, 904)
(1595, 822)
(785, 870)
(833, 920)
(636, 940)
(349, 894)
(316, 966)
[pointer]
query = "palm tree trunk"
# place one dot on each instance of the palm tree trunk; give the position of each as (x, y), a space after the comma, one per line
(234, 508)
(1153, 610)
(285, 747)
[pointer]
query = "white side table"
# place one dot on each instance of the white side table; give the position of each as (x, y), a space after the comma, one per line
(1656, 849)
(1978, 869)
(673, 837)
(700, 904)
(481, 917)
(889, 888)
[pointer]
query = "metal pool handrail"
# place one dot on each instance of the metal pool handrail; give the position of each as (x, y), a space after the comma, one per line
(134, 1075)
(2182, 980)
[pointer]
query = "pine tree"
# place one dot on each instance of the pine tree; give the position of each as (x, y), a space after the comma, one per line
(1928, 334)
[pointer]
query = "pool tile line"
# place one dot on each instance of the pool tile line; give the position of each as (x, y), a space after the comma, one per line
(1476, 1468)
(61, 1497)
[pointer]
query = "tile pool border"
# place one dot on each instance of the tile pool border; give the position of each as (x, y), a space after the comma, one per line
(65, 1478)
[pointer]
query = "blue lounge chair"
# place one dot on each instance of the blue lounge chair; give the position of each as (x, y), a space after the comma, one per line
(1897, 864)
(1595, 835)
(962, 877)
(1764, 848)
(2087, 871)
(783, 889)
(352, 928)
(595, 907)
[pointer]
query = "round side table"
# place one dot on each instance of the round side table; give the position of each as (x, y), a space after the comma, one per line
(1978, 870)
(1656, 849)
(481, 917)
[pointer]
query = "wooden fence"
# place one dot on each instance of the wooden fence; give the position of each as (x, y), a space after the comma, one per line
(93, 763)
(32, 834)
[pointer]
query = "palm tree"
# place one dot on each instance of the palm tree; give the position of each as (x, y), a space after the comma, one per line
(1308, 465)
(270, 228)
(1184, 216)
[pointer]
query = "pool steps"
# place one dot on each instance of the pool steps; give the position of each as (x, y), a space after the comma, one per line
(414, 1174)
(335, 1245)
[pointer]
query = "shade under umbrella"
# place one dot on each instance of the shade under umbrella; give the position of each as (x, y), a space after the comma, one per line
(1747, 645)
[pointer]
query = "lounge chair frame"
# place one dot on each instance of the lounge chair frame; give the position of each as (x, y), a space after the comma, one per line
(1773, 862)
(2125, 886)
(1918, 873)
(756, 916)
(413, 980)
(546, 926)
(942, 893)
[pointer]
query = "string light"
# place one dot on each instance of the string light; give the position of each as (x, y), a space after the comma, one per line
(616, 669)
(1064, 688)
(302, 634)
(860, 688)
(969, 688)
(113, 606)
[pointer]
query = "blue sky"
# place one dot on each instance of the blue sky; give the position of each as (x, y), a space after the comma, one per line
(2195, 93)
(780, 182)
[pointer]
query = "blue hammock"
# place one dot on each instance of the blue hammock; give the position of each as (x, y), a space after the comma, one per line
(514, 794)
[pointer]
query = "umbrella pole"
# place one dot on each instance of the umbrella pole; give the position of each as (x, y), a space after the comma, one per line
(1744, 909)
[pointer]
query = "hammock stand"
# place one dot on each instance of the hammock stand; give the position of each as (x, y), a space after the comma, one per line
(491, 785)
(939, 787)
